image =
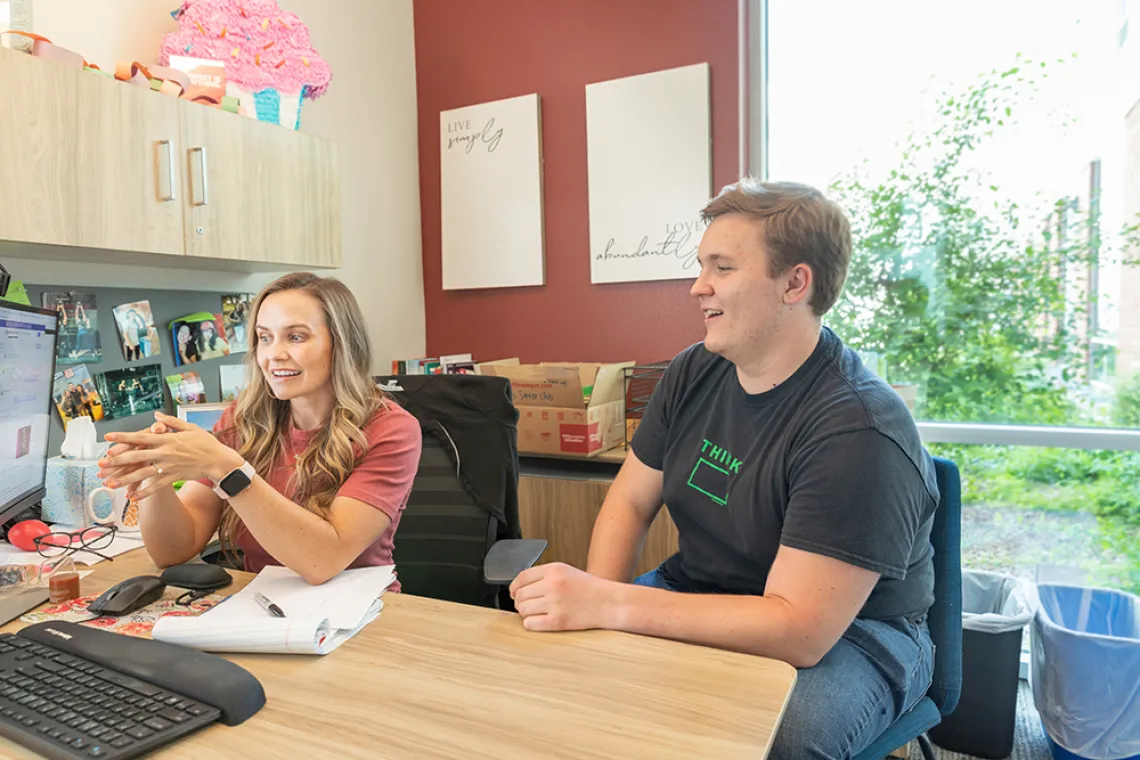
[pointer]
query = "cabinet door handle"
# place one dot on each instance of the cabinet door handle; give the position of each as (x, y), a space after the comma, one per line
(199, 186)
(165, 171)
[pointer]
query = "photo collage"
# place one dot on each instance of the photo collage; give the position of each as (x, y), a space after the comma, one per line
(139, 388)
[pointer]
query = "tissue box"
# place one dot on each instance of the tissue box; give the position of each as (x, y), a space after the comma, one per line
(68, 483)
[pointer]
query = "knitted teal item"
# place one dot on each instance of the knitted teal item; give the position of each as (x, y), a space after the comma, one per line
(268, 103)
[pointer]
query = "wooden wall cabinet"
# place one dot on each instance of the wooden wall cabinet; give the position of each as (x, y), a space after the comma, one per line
(89, 164)
(258, 192)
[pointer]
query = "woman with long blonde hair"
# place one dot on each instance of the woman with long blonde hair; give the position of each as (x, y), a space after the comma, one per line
(310, 468)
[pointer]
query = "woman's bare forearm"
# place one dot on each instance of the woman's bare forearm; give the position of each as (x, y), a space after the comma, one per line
(169, 530)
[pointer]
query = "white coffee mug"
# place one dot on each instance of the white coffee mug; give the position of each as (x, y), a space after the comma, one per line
(113, 509)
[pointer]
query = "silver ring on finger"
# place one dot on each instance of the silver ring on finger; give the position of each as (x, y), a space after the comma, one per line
(157, 469)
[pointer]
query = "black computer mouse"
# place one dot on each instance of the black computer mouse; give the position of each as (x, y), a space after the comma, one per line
(128, 596)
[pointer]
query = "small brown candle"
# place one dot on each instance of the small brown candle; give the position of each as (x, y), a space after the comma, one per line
(63, 587)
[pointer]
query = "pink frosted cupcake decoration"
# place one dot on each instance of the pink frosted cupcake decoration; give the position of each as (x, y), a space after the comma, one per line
(267, 53)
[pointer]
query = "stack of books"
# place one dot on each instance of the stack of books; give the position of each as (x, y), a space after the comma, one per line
(452, 364)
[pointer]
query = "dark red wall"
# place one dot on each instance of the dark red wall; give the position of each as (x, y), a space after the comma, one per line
(469, 53)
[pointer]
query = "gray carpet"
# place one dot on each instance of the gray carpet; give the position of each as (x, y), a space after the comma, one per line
(1028, 738)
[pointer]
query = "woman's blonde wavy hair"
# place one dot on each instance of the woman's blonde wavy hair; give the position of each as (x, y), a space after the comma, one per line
(262, 422)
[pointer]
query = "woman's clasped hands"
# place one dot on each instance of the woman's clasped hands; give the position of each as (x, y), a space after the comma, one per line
(169, 451)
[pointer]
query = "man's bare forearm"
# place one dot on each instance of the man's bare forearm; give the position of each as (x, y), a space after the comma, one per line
(761, 625)
(619, 533)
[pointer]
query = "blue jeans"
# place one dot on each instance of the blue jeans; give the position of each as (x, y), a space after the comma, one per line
(876, 672)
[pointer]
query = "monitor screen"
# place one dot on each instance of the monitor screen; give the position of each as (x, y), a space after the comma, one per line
(27, 368)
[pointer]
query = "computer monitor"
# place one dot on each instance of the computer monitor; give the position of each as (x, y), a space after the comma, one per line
(27, 369)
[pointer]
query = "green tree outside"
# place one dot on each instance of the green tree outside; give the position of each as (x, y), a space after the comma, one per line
(963, 291)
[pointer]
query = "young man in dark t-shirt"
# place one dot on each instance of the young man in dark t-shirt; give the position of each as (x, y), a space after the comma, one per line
(800, 489)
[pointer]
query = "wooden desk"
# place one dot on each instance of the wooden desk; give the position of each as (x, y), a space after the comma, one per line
(431, 679)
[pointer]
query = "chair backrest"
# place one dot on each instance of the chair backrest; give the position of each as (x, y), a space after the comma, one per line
(945, 617)
(475, 414)
(443, 534)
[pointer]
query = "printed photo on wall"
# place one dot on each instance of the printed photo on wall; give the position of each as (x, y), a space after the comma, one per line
(187, 388)
(136, 327)
(184, 333)
(75, 395)
(131, 391)
(212, 341)
(233, 380)
(78, 339)
(198, 337)
(235, 313)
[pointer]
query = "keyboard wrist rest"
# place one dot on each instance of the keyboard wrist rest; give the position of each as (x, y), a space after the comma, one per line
(201, 676)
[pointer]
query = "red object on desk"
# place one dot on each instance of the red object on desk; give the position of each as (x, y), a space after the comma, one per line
(22, 535)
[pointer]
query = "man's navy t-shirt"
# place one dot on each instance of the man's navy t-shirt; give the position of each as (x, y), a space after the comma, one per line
(829, 462)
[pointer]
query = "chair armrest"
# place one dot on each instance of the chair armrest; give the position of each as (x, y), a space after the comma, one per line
(213, 554)
(209, 550)
(510, 557)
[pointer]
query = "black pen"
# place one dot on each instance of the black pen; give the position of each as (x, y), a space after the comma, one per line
(269, 606)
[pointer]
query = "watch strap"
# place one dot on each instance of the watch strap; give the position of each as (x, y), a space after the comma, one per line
(245, 468)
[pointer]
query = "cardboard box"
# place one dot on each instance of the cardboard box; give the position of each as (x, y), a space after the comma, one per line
(207, 77)
(571, 408)
(512, 362)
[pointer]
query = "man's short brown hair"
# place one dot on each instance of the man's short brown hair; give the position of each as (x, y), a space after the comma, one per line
(797, 225)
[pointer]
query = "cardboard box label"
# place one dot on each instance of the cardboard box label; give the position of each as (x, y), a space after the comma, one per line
(580, 439)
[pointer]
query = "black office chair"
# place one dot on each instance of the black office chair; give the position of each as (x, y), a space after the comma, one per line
(459, 538)
(214, 555)
(447, 546)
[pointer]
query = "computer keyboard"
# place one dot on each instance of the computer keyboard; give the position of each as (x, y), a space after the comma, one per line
(71, 691)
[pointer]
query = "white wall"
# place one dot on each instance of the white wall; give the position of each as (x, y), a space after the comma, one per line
(369, 111)
(106, 31)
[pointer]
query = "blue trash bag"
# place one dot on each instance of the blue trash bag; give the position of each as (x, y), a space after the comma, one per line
(1085, 670)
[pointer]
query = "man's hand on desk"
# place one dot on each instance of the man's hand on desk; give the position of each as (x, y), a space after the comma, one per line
(558, 597)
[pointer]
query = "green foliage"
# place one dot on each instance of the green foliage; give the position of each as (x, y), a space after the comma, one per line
(1102, 483)
(960, 288)
(963, 291)
(1105, 483)
(1126, 406)
(1120, 538)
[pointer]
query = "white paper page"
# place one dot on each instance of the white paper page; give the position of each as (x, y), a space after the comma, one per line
(279, 635)
(10, 555)
(120, 544)
(344, 600)
(275, 635)
(318, 618)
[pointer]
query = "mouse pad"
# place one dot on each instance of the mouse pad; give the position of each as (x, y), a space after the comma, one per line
(139, 623)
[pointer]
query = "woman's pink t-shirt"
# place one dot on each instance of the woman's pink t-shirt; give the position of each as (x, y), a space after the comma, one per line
(382, 479)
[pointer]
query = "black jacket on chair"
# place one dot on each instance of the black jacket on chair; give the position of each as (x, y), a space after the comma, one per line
(465, 495)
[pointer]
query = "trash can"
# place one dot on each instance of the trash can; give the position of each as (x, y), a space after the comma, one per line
(1085, 672)
(995, 610)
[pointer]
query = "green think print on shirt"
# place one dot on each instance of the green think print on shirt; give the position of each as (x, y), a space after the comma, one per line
(714, 469)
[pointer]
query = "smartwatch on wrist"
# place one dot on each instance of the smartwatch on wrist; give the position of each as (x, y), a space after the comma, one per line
(236, 482)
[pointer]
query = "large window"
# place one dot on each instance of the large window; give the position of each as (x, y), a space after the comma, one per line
(989, 156)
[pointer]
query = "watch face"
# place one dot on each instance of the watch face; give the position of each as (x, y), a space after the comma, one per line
(234, 483)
